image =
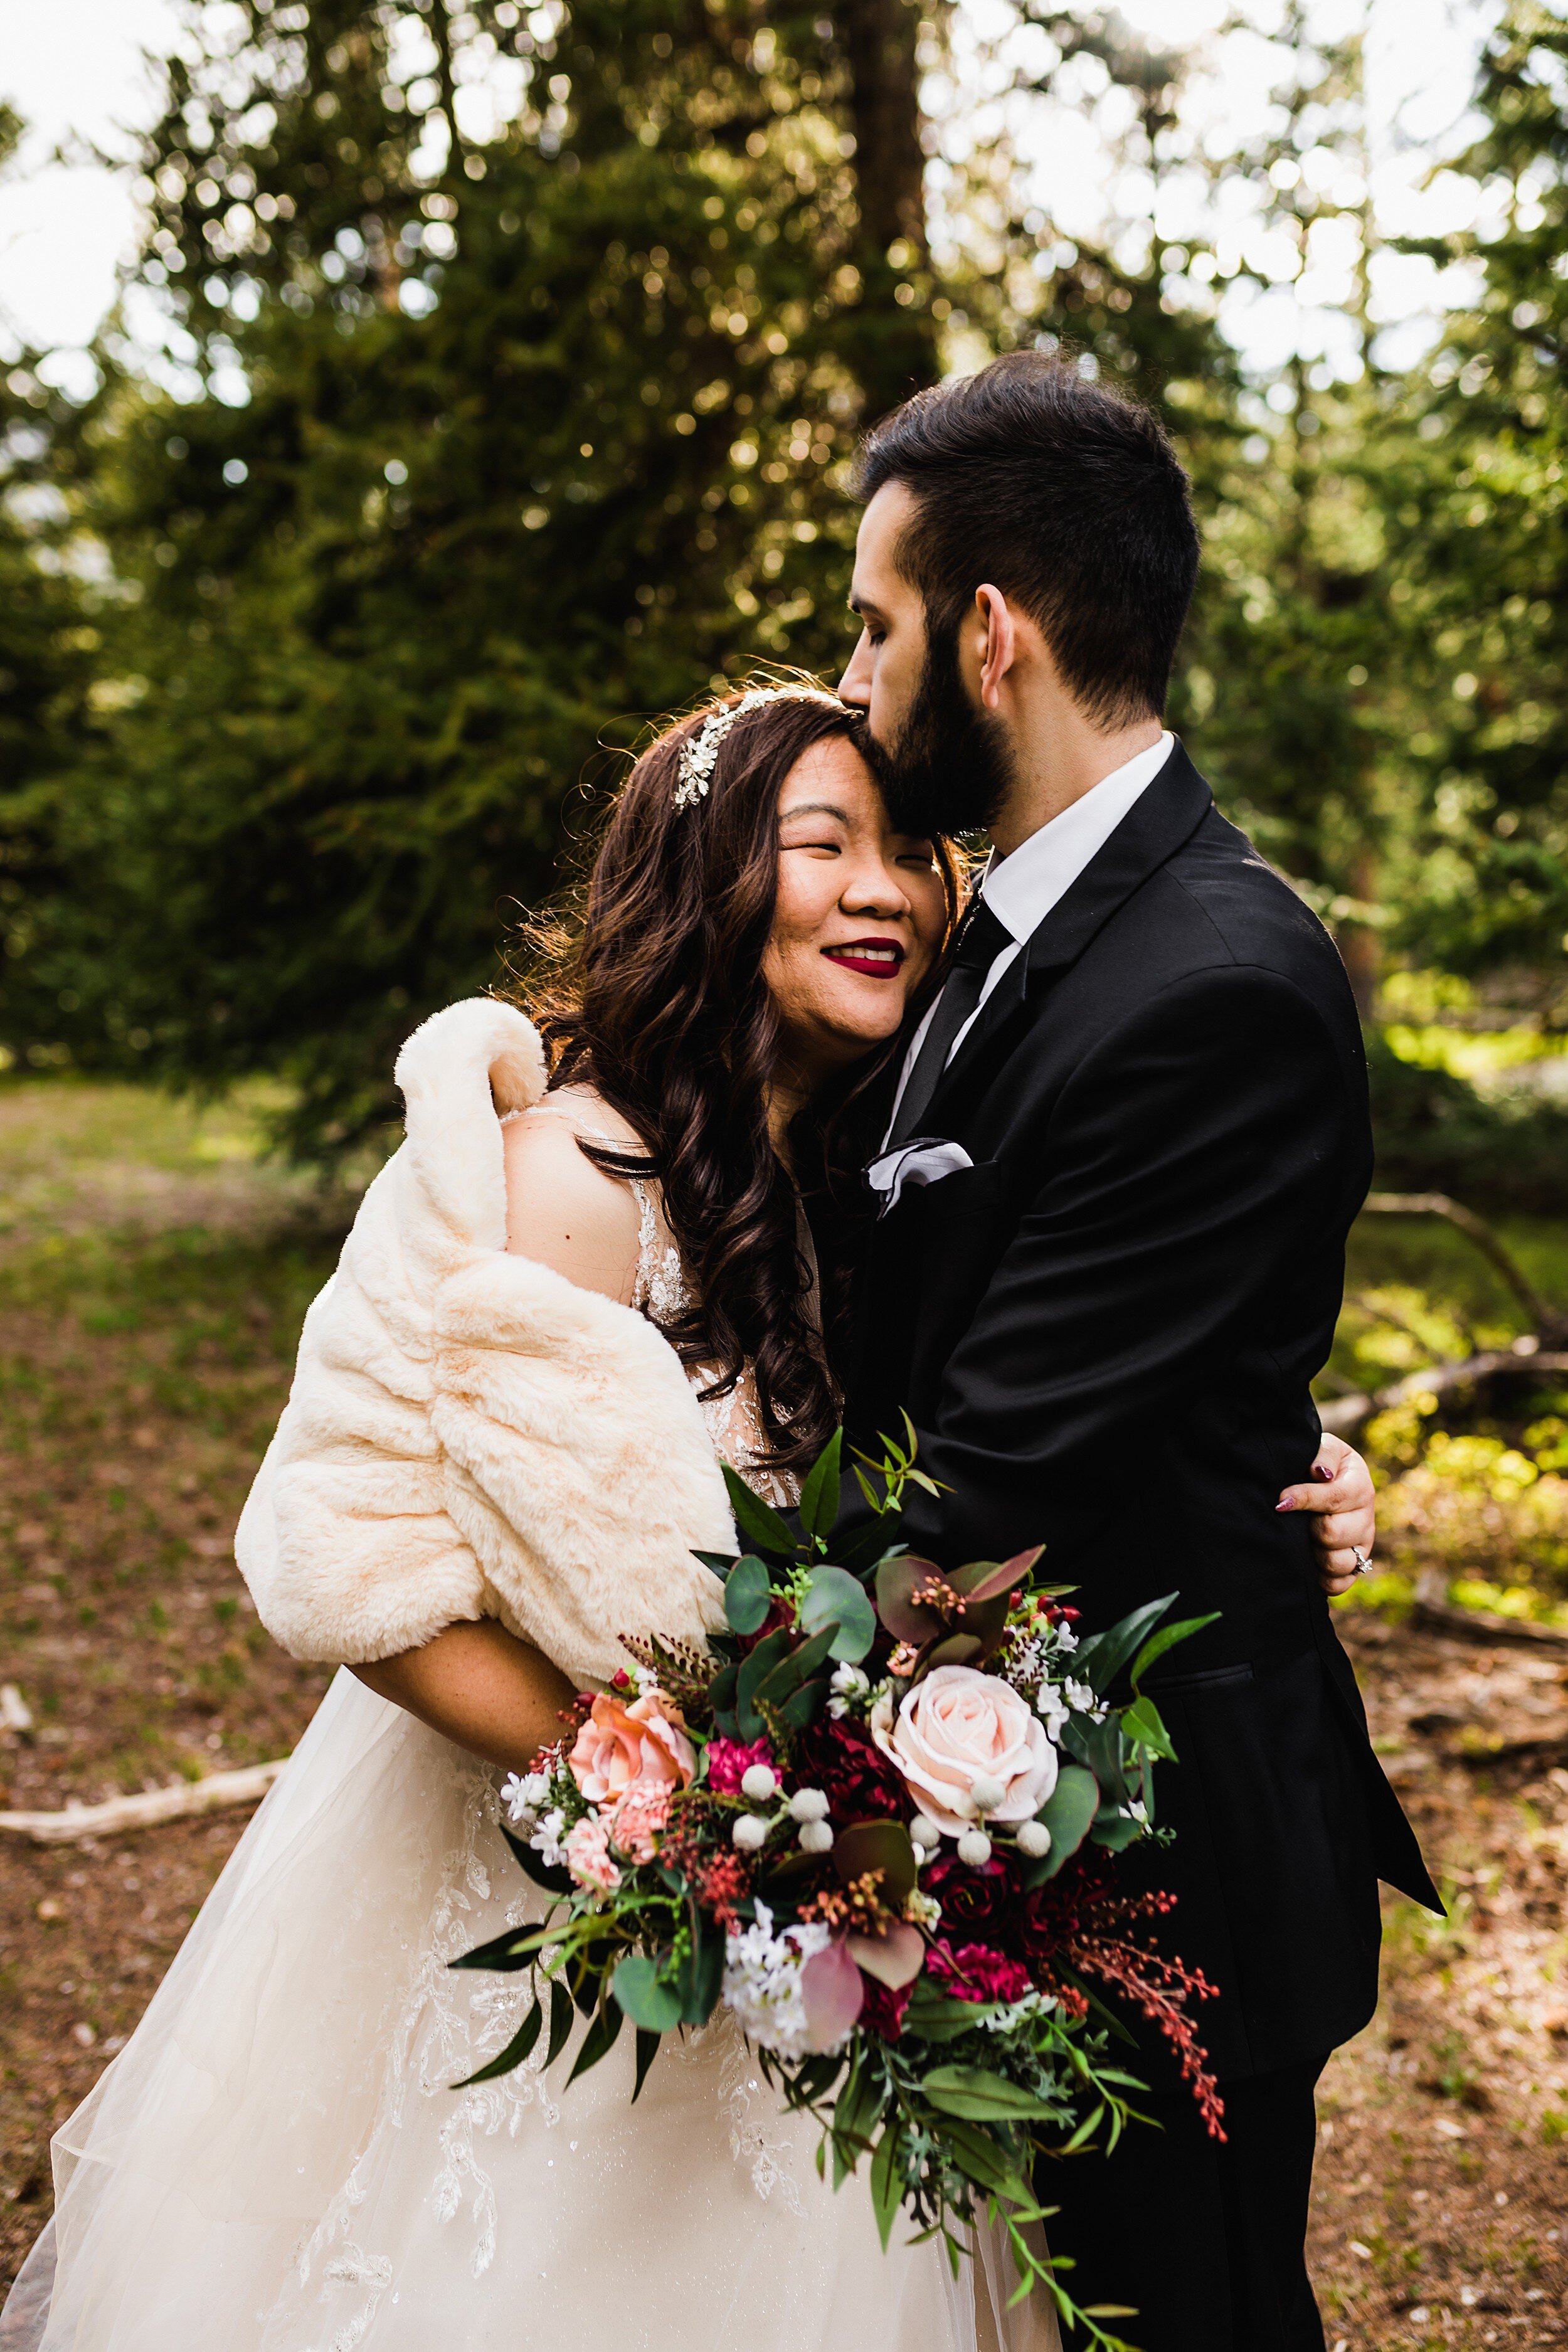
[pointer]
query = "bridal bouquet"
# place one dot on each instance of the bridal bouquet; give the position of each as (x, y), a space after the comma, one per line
(879, 1821)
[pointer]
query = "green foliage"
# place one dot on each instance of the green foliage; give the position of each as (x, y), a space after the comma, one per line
(1480, 540)
(472, 452)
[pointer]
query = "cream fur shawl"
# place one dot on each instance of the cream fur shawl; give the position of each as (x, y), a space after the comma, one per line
(468, 1434)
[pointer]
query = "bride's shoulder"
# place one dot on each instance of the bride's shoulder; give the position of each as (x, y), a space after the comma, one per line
(562, 1211)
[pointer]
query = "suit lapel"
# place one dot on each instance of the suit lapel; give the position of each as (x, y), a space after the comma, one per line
(1155, 826)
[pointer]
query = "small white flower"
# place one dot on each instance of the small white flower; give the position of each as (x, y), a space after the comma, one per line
(1140, 1812)
(848, 1687)
(750, 1832)
(1066, 1638)
(975, 1848)
(646, 1679)
(1034, 1840)
(547, 1838)
(762, 1980)
(758, 1781)
(1086, 1702)
(522, 1795)
(923, 1910)
(1053, 1708)
(925, 1833)
(815, 1837)
(807, 1805)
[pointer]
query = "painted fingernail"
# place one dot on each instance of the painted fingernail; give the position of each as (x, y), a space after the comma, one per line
(1322, 1472)
(1286, 1503)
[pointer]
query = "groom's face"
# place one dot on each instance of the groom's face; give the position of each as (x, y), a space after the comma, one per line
(944, 764)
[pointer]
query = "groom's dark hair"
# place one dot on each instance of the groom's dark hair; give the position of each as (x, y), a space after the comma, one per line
(1067, 497)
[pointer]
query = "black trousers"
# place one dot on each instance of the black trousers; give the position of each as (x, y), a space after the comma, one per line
(1206, 2239)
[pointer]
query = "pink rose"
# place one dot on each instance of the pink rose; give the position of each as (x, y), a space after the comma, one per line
(957, 1730)
(620, 1744)
(586, 1846)
(638, 1818)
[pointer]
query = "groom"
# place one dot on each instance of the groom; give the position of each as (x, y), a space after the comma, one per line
(1126, 1146)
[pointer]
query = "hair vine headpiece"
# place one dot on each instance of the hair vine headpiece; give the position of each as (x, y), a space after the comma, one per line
(701, 749)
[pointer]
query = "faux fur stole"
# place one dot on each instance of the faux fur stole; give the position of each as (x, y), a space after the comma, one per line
(470, 1435)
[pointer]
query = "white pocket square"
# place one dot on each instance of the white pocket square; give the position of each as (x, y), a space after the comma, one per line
(925, 1160)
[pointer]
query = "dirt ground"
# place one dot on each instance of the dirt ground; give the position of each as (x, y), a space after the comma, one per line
(151, 1283)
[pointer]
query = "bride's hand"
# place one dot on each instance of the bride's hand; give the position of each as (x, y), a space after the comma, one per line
(1342, 1495)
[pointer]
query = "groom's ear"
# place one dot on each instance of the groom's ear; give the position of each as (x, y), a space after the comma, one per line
(1001, 642)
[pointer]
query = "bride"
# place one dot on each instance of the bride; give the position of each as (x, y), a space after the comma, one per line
(564, 1301)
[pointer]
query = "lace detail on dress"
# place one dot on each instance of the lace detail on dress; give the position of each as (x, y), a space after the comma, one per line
(448, 2027)
(768, 2160)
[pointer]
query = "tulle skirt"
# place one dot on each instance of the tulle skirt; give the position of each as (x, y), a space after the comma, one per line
(276, 2161)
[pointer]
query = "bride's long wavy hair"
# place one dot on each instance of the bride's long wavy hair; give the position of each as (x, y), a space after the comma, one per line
(655, 996)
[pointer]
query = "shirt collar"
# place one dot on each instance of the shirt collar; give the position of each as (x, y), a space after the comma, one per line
(1021, 890)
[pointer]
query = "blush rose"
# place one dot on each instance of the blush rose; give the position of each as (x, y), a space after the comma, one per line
(620, 1744)
(959, 1728)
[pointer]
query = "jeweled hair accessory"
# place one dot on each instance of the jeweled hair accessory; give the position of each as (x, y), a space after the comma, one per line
(697, 760)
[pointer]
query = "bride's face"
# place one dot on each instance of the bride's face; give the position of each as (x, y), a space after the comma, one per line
(860, 913)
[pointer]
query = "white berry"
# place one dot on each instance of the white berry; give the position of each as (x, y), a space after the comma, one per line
(924, 1833)
(815, 1837)
(750, 1832)
(1033, 1839)
(974, 1847)
(987, 1792)
(758, 1781)
(806, 1805)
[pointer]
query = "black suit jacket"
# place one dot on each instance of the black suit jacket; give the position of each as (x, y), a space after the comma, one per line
(1104, 1332)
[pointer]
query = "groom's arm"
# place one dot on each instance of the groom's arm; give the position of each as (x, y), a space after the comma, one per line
(1190, 1158)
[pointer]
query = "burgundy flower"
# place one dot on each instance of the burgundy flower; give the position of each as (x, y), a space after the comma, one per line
(727, 1760)
(883, 2009)
(974, 1972)
(857, 1778)
(971, 1897)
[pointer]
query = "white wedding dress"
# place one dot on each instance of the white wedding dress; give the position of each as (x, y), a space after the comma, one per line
(278, 2161)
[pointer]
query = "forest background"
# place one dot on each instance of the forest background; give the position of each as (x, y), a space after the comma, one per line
(509, 368)
(484, 381)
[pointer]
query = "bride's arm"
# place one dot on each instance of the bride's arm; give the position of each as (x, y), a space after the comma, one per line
(480, 1687)
(476, 1684)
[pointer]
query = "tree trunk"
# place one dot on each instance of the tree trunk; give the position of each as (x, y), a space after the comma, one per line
(895, 347)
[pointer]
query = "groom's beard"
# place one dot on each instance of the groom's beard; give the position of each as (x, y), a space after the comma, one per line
(949, 768)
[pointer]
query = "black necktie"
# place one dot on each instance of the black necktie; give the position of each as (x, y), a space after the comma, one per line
(980, 942)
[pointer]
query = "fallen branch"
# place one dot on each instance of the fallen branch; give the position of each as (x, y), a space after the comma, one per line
(1346, 1416)
(1436, 1613)
(1545, 1319)
(213, 1795)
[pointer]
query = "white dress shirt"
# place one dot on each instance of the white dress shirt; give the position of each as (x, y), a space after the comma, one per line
(1021, 890)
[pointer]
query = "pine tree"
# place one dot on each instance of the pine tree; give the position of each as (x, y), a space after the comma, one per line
(1479, 528)
(485, 436)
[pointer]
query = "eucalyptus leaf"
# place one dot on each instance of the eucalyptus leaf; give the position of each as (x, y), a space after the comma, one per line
(835, 1597)
(1067, 1812)
(647, 2000)
(748, 1594)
